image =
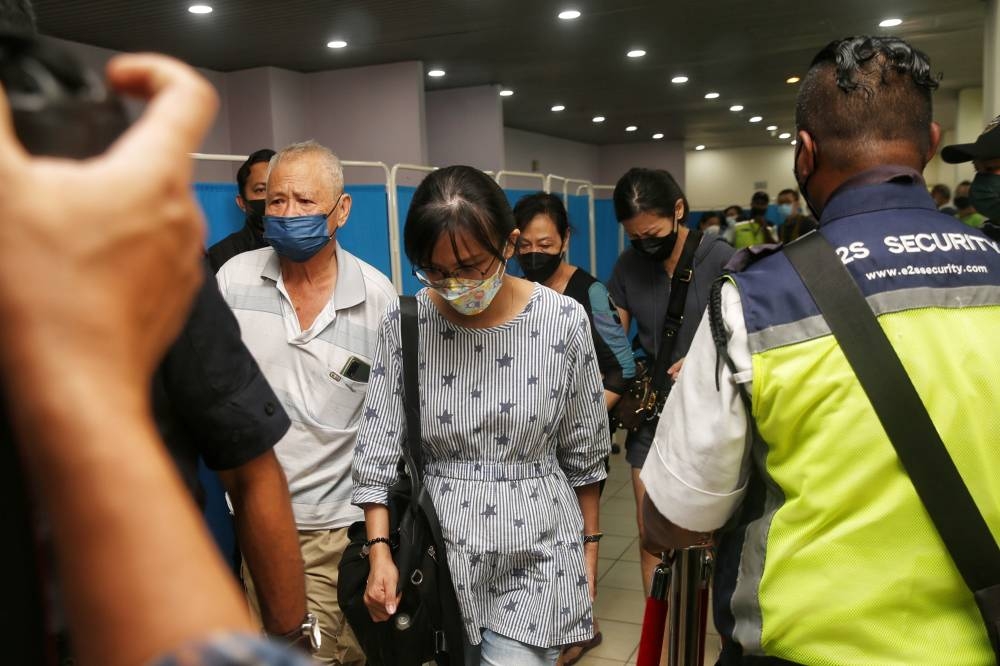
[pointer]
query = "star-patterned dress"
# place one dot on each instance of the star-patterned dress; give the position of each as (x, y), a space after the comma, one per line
(513, 419)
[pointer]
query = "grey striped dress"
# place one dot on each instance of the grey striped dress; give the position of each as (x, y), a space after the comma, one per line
(513, 418)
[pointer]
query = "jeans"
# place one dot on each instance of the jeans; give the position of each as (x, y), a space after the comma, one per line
(497, 650)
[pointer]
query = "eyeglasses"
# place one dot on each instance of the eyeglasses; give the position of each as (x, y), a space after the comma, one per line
(429, 276)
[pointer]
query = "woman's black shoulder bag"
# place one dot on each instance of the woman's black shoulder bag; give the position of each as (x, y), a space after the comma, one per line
(428, 625)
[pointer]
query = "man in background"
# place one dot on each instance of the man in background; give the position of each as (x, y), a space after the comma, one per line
(984, 191)
(251, 181)
(757, 230)
(967, 213)
(941, 194)
(796, 223)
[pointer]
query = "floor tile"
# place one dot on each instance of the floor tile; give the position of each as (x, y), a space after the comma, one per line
(619, 525)
(620, 640)
(597, 661)
(631, 553)
(619, 605)
(619, 506)
(623, 575)
(612, 546)
(603, 564)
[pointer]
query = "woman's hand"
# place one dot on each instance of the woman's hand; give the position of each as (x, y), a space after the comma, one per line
(380, 592)
(590, 562)
(674, 371)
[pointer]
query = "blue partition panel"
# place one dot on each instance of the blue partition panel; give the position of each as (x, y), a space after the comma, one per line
(578, 208)
(366, 234)
(607, 237)
(404, 195)
(513, 196)
(222, 215)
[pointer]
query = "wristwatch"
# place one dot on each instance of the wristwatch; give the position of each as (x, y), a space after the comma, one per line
(306, 634)
(593, 538)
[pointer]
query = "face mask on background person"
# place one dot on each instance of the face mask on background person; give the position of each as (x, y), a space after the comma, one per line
(758, 211)
(785, 210)
(984, 195)
(711, 230)
(657, 248)
(470, 297)
(299, 237)
(731, 220)
(539, 266)
(254, 213)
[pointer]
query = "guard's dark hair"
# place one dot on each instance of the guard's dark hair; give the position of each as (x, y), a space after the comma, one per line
(788, 190)
(738, 209)
(648, 191)
(862, 91)
(262, 155)
(454, 200)
(17, 15)
(542, 203)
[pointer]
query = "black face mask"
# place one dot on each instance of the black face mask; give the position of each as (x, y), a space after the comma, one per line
(758, 211)
(658, 248)
(962, 202)
(539, 266)
(255, 213)
(804, 184)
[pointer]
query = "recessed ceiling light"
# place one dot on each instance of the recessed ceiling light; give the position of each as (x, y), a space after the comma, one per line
(569, 14)
(756, 119)
(636, 53)
(436, 73)
(785, 135)
(336, 44)
(658, 136)
(200, 9)
(598, 119)
(700, 146)
(794, 142)
(558, 107)
(506, 92)
(792, 79)
(631, 128)
(890, 23)
(771, 128)
(679, 79)
(736, 107)
(712, 95)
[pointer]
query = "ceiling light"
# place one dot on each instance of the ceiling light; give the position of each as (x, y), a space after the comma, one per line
(736, 107)
(569, 15)
(631, 128)
(890, 23)
(658, 136)
(712, 95)
(336, 44)
(700, 146)
(792, 79)
(794, 142)
(785, 135)
(598, 119)
(436, 73)
(506, 92)
(756, 119)
(558, 107)
(200, 9)
(771, 128)
(636, 53)
(679, 79)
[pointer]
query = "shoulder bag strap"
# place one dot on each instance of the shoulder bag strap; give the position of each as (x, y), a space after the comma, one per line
(410, 337)
(683, 274)
(905, 420)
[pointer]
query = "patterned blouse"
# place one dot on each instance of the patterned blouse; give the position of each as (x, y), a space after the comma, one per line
(513, 419)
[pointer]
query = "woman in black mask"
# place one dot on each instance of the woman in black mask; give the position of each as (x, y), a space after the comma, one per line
(541, 253)
(652, 208)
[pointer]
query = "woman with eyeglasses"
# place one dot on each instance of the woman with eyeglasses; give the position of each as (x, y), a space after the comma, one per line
(514, 430)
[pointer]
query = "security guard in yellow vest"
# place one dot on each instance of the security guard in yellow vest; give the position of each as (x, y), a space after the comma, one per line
(826, 554)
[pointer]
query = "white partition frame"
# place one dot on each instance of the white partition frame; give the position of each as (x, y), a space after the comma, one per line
(500, 175)
(395, 258)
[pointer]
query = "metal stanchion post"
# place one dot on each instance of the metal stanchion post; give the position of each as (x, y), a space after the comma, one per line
(655, 618)
(689, 607)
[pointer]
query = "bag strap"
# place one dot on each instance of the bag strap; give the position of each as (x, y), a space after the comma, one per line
(898, 406)
(683, 274)
(410, 338)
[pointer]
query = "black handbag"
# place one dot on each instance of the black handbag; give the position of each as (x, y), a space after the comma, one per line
(643, 400)
(427, 625)
(906, 421)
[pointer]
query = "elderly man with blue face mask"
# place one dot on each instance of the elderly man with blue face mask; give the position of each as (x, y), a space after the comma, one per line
(309, 311)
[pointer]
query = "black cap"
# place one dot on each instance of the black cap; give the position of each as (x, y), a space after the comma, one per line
(986, 147)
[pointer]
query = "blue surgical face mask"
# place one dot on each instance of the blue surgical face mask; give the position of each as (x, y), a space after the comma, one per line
(298, 238)
(785, 210)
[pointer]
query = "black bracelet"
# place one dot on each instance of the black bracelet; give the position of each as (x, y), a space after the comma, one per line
(593, 538)
(371, 542)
